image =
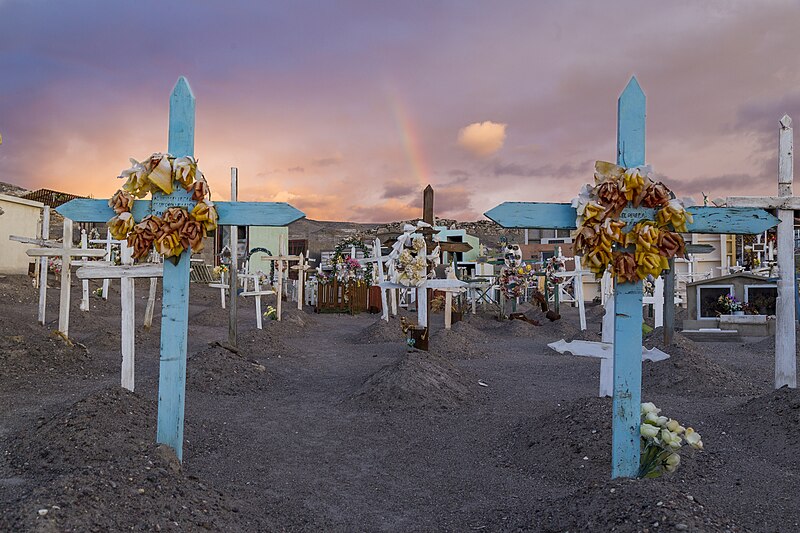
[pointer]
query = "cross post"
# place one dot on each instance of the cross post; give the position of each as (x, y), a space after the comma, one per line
(628, 296)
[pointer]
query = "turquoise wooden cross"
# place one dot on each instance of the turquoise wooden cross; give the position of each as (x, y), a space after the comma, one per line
(175, 302)
(628, 296)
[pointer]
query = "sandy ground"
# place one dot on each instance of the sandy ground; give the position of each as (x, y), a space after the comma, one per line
(329, 423)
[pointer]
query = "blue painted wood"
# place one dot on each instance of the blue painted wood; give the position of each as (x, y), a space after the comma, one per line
(230, 213)
(737, 220)
(625, 448)
(175, 300)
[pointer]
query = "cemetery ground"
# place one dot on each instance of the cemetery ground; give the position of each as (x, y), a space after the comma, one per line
(329, 423)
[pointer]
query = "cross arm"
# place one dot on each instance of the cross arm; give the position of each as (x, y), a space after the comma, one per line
(148, 270)
(230, 213)
(789, 203)
(44, 243)
(58, 252)
(737, 220)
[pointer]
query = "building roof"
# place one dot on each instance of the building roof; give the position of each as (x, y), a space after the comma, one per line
(21, 201)
(51, 197)
(739, 275)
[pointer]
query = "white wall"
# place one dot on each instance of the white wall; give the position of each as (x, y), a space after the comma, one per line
(20, 217)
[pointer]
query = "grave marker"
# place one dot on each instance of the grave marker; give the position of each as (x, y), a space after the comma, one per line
(66, 252)
(786, 205)
(175, 301)
(628, 296)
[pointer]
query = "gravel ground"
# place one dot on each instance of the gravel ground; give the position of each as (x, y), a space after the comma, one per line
(313, 426)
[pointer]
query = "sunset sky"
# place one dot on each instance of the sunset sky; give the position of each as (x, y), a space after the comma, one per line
(348, 109)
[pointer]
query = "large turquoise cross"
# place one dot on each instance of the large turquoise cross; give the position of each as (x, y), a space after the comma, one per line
(628, 296)
(175, 302)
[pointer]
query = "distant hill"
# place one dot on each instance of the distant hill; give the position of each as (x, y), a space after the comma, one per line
(12, 190)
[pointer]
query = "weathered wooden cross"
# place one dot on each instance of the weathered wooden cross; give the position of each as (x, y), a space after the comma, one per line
(66, 252)
(175, 301)
(786, 205)
(127, 272)
(47, 243)
(628, 296)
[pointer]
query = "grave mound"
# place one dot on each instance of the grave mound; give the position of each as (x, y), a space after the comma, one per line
(267, 342)
(689, 372)
(417, 380)
(631, 505)
(554, 444)
(381, 331)
(217, 370)
(462, 341)
(293, 321)
(27, 348)
(777, 415)
(98, 469)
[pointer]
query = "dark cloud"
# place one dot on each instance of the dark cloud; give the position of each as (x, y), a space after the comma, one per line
(398, 189)
(296, 169)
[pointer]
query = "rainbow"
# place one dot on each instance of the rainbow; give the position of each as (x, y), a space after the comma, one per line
(410, 138)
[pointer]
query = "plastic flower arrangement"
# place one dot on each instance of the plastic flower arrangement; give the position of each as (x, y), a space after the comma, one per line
(600, 231)
(514, 280)
(54, 265)
(409, 263)
(271, 313)
(220, 269)
(728, 304)
(98, 292)
(552, 267)
(661, 439)
(178, 228)
(349, 270)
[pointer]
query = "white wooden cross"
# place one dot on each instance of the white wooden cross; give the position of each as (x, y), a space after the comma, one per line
(576, 276)
(127, 272)
(66, 252)
(109, 241)
(84, 305)
(222, 285)
(379, 276)
(302, 270)
(786, 205)
(44, 241)
(605, 352)
(448, 295)
(279, 268)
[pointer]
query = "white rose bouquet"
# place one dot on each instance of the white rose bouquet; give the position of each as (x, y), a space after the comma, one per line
(661, 439)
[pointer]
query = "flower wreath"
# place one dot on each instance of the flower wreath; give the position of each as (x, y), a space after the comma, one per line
(341, 268)
(600, 231)
(408, 266)
(514, 280)
(177, 229)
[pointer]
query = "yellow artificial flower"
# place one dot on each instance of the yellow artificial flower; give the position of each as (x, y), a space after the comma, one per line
(169, 244)
(121, 225)
(605, 171)
(206, 213)
(137, 182)
(674, 214)
(184, 170)
(160, 172)
(633, 185)
(593, 210)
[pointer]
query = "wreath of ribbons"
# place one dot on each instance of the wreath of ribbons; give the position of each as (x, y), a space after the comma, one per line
(178, 228)
(599, 236)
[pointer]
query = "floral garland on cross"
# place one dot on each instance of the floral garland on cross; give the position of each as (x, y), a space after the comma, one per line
(177, 229)
(346, 270)
(600, 231)
(408, 264)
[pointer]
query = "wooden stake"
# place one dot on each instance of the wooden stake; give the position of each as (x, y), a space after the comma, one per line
(43, 266)
(233, 271)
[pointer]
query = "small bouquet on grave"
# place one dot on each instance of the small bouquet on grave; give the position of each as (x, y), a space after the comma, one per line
(271, 313)
(727, 304)
(54, 265)
(661, 439)
(220, 269)
(98, 292)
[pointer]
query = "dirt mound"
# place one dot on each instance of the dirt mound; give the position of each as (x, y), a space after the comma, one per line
(771, 423)
(260, 343)
(98, 469)
(631, 505)
(689, 372)
(26, 349)
(565, 443)
(213, 316)
(220, 371)
(768, 344)
(293, 321)
(417, 380)
(462, 341)
(381, 331)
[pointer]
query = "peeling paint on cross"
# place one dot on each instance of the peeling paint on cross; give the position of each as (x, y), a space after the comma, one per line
(175, 301)
(628, 296)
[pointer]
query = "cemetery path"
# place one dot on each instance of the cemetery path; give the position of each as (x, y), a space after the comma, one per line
(282, 436)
